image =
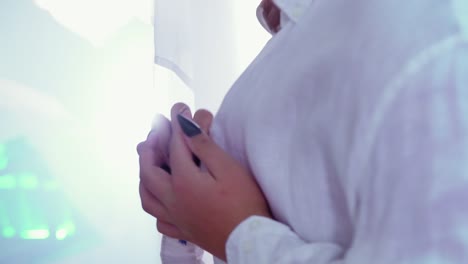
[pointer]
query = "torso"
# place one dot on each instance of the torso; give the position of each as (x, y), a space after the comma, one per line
(298, 112)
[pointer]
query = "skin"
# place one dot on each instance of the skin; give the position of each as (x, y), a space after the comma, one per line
(200, 206)
(272, 14)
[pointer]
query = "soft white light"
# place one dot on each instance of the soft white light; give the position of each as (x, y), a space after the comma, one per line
(250, 36)
(97, 20)
(24, 109)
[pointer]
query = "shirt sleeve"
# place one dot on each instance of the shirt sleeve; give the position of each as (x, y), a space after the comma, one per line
(173, 251)
(262, 240)
(411, 187)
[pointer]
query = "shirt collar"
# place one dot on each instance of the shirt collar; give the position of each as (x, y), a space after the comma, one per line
(291, 10)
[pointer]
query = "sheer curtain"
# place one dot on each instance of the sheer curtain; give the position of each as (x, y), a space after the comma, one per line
(206, 44)
(201, 47)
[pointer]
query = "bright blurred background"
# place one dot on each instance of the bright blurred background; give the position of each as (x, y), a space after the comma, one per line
(78, 91)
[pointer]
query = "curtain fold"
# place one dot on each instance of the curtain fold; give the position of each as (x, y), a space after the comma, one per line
(195, 40)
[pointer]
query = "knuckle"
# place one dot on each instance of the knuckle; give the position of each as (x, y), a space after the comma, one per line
(144, 206)
(181, 187)
(204, 141)
(144, 201)
(144, 149)
(160, 227)
(140, 147)
(178, 185)
(142, 177)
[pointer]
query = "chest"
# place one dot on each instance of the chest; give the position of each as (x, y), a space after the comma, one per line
(286, 130)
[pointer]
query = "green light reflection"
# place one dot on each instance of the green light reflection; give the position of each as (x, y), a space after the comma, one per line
(8, 232)
(61, 234)
(65, 230)
(7, 182)
(28, 181)
(35, 234)
(70, 227)
(3, 163)
(29, 227)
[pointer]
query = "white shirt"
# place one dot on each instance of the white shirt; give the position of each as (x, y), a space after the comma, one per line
(354, 121)
(291, 10)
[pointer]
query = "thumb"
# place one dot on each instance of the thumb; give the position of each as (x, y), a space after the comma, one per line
(215, 159)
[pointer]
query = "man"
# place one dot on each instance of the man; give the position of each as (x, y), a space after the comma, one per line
(345, 141)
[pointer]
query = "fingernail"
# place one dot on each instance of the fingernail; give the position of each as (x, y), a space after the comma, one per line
(190, 128)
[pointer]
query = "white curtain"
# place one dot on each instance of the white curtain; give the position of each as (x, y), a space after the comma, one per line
(206, 43)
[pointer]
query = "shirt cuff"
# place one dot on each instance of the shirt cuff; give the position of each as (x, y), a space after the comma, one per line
(242, 243)
(173, 251)
(263, 240)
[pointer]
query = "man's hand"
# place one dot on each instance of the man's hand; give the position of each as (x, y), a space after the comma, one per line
(201, 206)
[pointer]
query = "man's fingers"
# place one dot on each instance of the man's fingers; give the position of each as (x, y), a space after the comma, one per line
(150, 155)
(152, 205)
(158, 140)
(204, 119)
(181, 157)
(156, 146)
(155, 179)
(160, 132)
(216, 160)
